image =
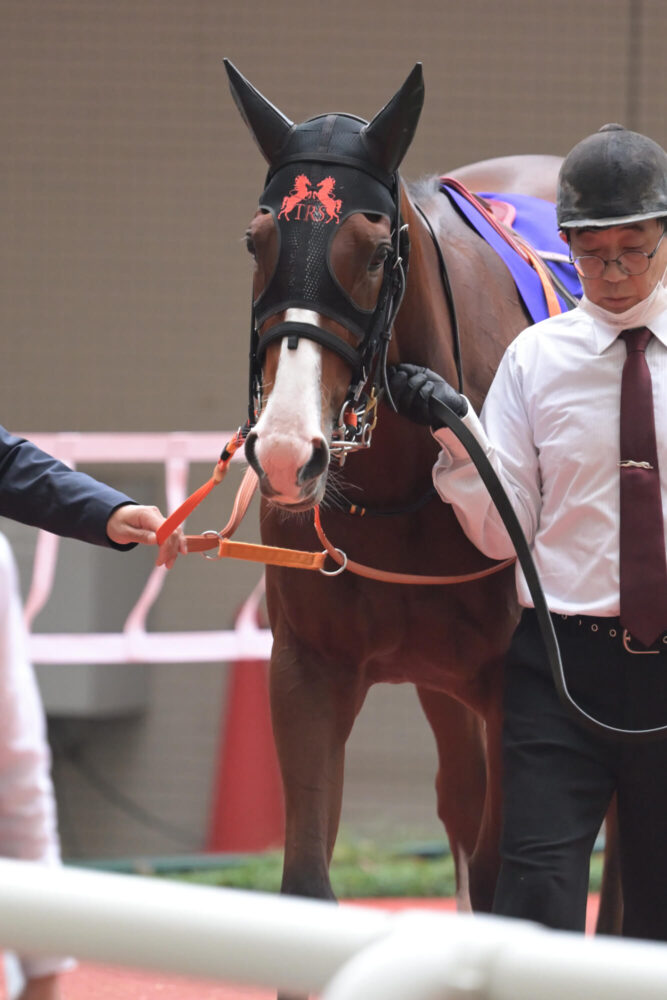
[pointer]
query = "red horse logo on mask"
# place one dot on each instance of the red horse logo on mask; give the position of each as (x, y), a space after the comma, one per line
(311, 205)
(324, 195)
(301, 192)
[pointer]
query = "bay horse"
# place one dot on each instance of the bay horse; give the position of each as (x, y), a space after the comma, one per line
(336, 299)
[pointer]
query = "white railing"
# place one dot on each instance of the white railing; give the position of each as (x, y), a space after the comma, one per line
(134, 644)
(308, 946)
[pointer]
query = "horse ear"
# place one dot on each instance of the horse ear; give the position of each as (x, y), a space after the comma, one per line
(268, 126)
(390, 133)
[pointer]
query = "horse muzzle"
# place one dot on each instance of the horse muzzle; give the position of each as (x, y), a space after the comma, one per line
(291, 474)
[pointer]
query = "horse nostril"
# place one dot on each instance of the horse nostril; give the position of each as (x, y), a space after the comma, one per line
(317, 462)
(250, 455)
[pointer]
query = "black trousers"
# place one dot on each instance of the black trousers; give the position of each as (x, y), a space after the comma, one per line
(559, 777)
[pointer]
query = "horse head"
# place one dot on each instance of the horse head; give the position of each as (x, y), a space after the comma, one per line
(328, 280)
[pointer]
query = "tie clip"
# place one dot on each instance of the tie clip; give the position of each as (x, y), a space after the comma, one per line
(629, 464)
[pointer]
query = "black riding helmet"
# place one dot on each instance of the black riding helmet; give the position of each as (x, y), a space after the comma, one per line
(612, 177)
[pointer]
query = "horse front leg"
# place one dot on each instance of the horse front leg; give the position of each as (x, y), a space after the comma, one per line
(485, 862)
(313, 708)
(460, 784)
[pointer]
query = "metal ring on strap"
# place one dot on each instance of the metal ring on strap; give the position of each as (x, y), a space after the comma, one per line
(216, 534)
(341, 568)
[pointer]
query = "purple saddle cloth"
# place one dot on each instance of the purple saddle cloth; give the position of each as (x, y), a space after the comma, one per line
(535, 221)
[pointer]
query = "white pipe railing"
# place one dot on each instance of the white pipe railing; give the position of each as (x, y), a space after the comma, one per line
(457, 956)
(311, 946)
(134, 644)
(247, 938)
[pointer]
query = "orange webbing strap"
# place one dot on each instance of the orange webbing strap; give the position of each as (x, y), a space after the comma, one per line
(294, 558)
(175, 519)
(388, 577)
(518, 244)
(269, 554)
(246, 492)
(553, 305)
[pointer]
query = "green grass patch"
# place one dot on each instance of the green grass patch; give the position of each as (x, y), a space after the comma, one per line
(358, 870)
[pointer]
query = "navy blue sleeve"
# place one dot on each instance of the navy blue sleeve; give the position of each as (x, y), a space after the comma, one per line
(39, 490)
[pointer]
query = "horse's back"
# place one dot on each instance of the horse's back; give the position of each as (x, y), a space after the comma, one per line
(532, 174)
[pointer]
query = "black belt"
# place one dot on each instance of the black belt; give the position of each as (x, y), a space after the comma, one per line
(610, 629)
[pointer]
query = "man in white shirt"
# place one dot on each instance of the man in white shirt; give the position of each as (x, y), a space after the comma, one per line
(551, 428)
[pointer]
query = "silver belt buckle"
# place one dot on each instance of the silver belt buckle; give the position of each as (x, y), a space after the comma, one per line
(637, 652)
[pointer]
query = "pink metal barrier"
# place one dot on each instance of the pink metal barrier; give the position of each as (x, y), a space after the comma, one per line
(134, 644)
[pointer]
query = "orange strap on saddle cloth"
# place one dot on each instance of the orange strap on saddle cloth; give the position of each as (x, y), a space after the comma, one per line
(500, 217)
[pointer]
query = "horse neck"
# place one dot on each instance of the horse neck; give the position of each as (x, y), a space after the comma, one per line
(423, 331)
(397, 469)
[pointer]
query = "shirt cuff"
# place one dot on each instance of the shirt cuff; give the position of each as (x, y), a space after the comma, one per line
(453, 452)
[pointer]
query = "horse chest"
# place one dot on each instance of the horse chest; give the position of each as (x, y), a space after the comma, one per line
(439, 637)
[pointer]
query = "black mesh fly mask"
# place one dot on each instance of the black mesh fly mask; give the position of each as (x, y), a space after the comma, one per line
(309, 200)
(321, 171)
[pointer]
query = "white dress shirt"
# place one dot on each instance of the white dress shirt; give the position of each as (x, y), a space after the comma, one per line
(550, 426)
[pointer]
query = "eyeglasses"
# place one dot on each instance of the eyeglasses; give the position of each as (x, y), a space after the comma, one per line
(631, 262)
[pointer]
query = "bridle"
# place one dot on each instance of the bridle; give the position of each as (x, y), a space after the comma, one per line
(367, 360)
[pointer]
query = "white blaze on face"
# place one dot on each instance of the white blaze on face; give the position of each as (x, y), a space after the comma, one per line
(291, 420)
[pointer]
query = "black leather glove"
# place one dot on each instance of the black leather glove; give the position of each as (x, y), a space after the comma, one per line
(414, 390)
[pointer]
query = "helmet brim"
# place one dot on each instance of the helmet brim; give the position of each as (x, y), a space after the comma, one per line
(624, 220)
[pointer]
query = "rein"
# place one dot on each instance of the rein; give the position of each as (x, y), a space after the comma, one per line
(449, 298)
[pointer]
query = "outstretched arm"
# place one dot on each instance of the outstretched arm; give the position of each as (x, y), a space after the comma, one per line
(40, 490)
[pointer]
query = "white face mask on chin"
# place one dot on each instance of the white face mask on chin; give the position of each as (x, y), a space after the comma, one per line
(640, 314)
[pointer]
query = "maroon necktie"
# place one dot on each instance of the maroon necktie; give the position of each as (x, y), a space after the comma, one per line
(643, 568)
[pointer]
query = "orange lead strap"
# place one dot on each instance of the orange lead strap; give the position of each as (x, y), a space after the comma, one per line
(387, 576)
(273, 555)
(175, 519)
